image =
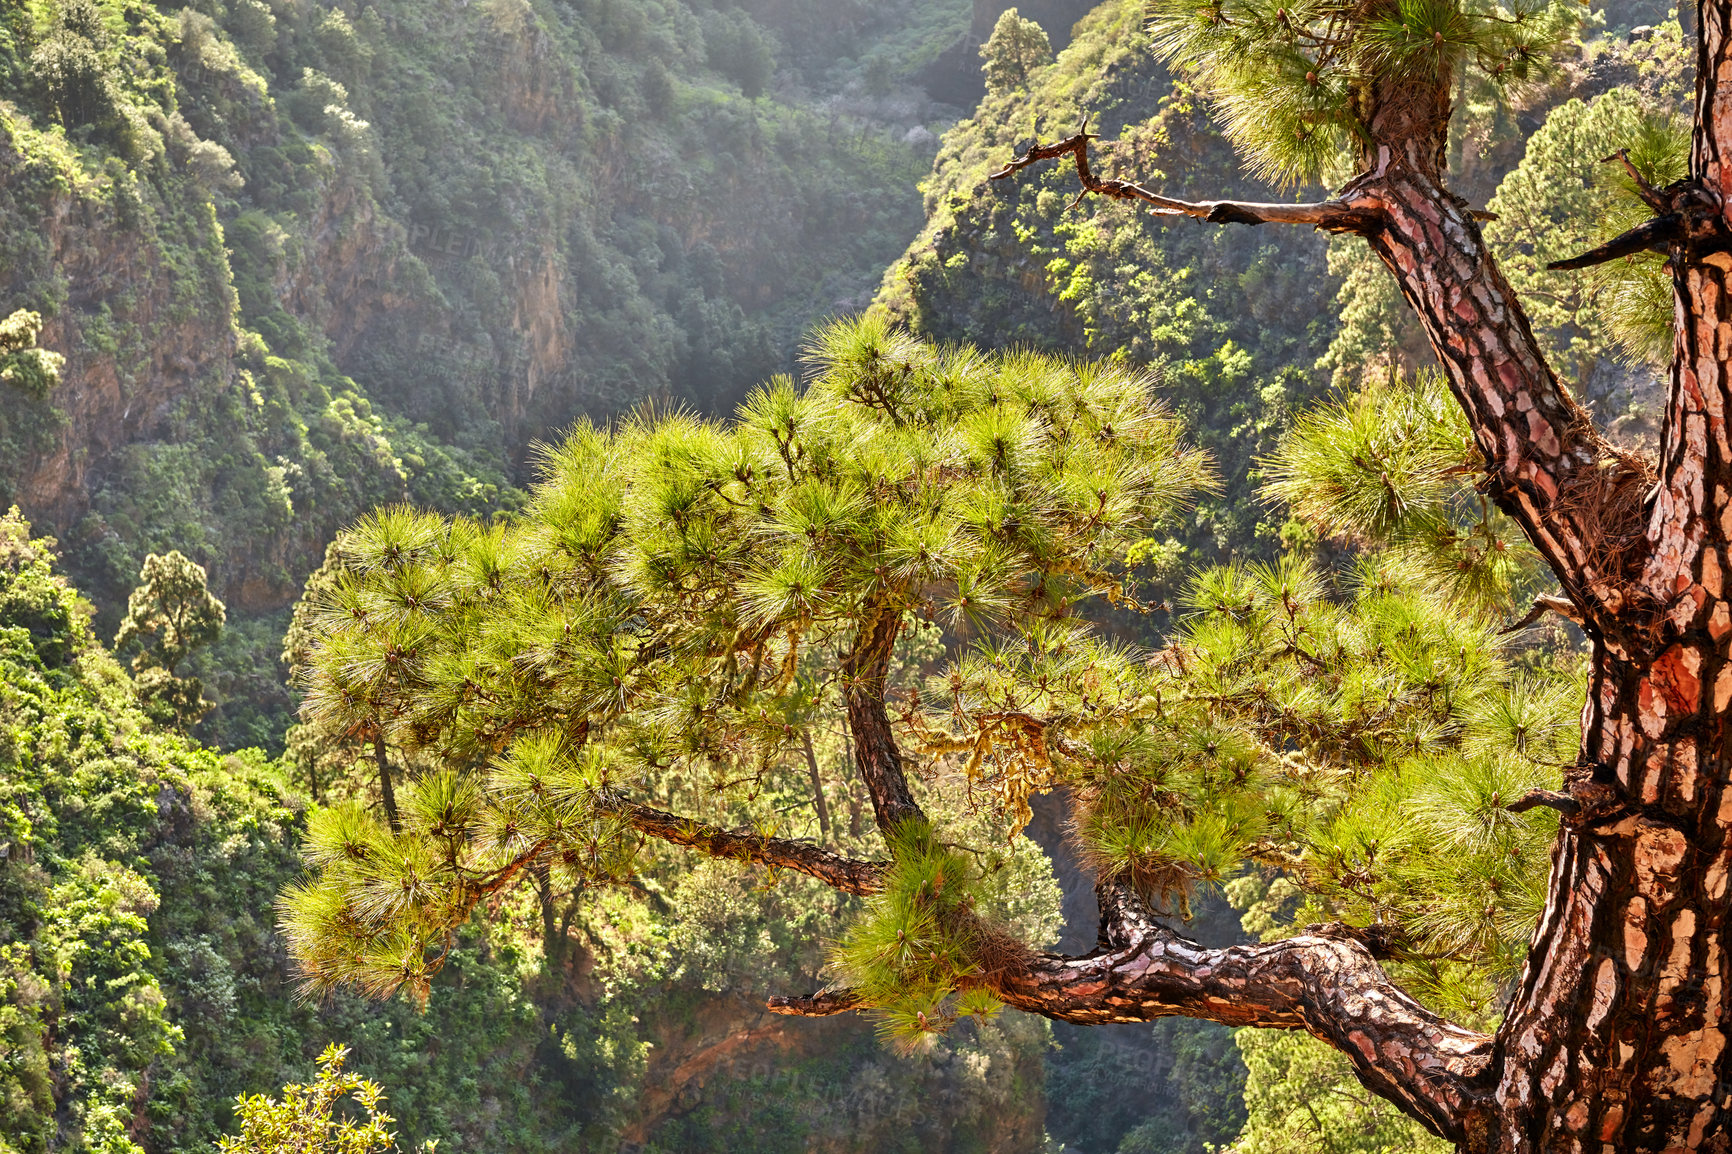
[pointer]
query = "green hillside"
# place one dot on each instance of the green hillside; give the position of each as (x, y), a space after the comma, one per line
(304, 259)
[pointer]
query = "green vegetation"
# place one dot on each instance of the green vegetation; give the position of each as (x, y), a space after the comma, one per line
(642, 630)
(1299, 86)
(268, 267)
(1229, 321)
(1018, 262)
(1015, 50)
(317, 258)
(1564, 198)
(1302, 1098)
(302, 1124)
(142, 987)
(1306, 740)
(26, 366)
(169, 615)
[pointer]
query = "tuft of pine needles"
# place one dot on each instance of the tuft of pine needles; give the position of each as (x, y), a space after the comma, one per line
(1299, 83)
(919, 954)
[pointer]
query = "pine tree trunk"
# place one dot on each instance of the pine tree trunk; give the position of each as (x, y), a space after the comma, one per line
(876, 756)
(1615, 1039)
(382, 759)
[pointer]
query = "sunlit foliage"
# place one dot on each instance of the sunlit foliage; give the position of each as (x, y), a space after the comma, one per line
(1304, 1099)
(918, 953)
(310, 1119)
(646, 620)
(1384, 468)
(22, 363)
(1568, 195)
(170, 614)
(1300, 85)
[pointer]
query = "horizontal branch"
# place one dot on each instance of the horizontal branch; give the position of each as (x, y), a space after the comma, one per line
(1382, 942)
(1326, 982)
(834, 870)
(1543, 604)
(1546, 799)
(824, 1004)
(1329, 986)
(1330, 215)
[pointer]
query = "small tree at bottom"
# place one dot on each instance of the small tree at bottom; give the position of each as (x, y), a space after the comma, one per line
(314, 1118)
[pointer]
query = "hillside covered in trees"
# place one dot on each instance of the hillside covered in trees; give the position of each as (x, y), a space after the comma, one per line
(300, 261)
(306, 259)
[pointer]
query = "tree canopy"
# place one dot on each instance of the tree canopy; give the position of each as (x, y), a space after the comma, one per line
(1302, 86)
(644, 624)
(683, 598)
(1015, 49)
(169, 615)
(302, 1121)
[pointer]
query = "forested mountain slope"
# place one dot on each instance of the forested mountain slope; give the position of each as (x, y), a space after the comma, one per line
(1245, 325)
(305, 258)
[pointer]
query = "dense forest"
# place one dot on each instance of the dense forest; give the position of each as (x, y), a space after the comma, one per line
(268, 266)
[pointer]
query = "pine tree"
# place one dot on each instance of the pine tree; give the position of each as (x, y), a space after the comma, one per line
(644, 626)
(69, 65)
(685, 599)
(1613, 1036)
(333, 756)
(1014, 50)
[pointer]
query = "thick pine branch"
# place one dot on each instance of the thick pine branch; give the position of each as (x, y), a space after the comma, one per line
(1656, 235)
(864, 673)
(1330, 987)
(845, 874)
(1326, 982)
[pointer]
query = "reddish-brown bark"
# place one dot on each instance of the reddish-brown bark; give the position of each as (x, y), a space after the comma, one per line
(877, 757)
(1325, 983)
(1615, 1039)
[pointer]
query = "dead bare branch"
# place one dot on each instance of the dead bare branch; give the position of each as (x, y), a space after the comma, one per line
(1543, 604)
(823, 1004)
(1328, 215)
(1544, 798)
(1656, 235)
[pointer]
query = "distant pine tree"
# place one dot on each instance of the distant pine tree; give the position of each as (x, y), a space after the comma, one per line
(1014, 50)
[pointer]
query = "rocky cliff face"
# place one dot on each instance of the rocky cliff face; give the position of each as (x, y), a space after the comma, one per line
(303, 258)
(137, 335)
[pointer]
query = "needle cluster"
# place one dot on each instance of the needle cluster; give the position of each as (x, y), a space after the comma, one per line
(1301, 84)
(676, 602)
